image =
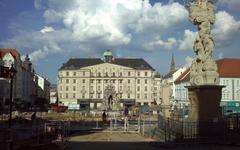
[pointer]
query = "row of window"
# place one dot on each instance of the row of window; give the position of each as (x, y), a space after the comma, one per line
(226, 95)
(73, 95)
(99, 87)
(227, 82)
(106, 74)
(106, 81)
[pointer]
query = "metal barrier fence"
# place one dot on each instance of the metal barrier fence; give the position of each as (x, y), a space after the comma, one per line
(180, 130)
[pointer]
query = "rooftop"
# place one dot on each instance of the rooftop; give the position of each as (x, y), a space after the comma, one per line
(227, 67)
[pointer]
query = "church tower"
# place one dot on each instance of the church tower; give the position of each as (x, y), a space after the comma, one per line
(27, 63)
(173, 66)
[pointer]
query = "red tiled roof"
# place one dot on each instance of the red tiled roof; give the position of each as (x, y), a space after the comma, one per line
(227, 67)
(14, 52)
(185, 76)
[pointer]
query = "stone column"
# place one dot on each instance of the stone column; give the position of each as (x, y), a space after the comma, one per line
(204, 92)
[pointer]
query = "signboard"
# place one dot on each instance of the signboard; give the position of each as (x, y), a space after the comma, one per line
(73, 107)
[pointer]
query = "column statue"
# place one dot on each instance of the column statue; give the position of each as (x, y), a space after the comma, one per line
(203, 70)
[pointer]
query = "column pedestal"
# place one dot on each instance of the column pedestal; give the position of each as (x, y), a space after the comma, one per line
(205, 109)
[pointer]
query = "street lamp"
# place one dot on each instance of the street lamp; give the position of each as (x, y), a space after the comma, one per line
(11, 74)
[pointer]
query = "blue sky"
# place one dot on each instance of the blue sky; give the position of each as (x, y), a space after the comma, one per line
(52, 31)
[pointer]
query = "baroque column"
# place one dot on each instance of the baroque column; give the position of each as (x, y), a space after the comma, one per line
(205, 91)
(203, 68)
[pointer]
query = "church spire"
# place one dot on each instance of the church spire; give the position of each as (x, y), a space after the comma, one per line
(173, 67)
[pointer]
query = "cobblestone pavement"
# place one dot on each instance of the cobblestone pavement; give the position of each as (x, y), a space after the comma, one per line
(130, 141)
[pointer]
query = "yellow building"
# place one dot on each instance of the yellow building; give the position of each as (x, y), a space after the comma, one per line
(86, 81)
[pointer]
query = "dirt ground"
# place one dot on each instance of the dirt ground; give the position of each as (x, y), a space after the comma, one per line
(130, 141)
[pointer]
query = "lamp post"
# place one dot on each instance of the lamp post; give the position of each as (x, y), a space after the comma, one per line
(11, 73)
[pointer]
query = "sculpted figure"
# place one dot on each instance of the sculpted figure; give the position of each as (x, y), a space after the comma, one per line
(203, 68)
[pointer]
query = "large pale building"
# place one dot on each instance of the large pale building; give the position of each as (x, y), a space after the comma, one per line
(84, 81)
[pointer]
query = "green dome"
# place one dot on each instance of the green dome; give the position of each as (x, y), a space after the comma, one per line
(107, 53)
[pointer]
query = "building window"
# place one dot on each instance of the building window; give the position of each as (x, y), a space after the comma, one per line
(138, 96)
(99, 95)
(66, 88)
(67, 80)
(83, 73)
(145, 96)
(129, 81)
(138, 73)
(238, 95)
(67, 73)
(138, 88)
(138, 81)
(106, 81)
(74, 80)
(113, 81)
(91, 87)
(83, 81)
(120, 74)
(113, 74)
(83, 87)
(146, 74)
(74, 88)
(238, 83)
(120, 81)
(226, 82)
(74, 95)
(74, 73)
(60, 95)
(120, 87)
(60, 88)
(146, 81)
(145, 88)
(128, 96)
(129, 73)
(66, 95)
(98, 87)
(99, 74)
(120, 95)
(99, 81)
(91, 95)
(91, 80)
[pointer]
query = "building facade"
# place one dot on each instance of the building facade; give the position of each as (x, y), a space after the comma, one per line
(229, 73)
(84, 81)
(168, 88)
(25, 86)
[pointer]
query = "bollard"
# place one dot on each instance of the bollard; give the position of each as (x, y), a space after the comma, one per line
(97, 124)
(139, 125)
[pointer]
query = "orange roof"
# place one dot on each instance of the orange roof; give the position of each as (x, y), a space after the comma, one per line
(14, 52)
(227, 67)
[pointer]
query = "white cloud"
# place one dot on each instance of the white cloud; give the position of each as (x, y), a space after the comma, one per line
(115, 22)
(188, 40)
(188, 61)
(47, 30)
(100, 25)
(158, 43)
(226, 29)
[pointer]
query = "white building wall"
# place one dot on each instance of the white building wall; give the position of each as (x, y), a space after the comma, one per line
(89, 85)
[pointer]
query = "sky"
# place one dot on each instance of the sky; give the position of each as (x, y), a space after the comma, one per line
(53, 31)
